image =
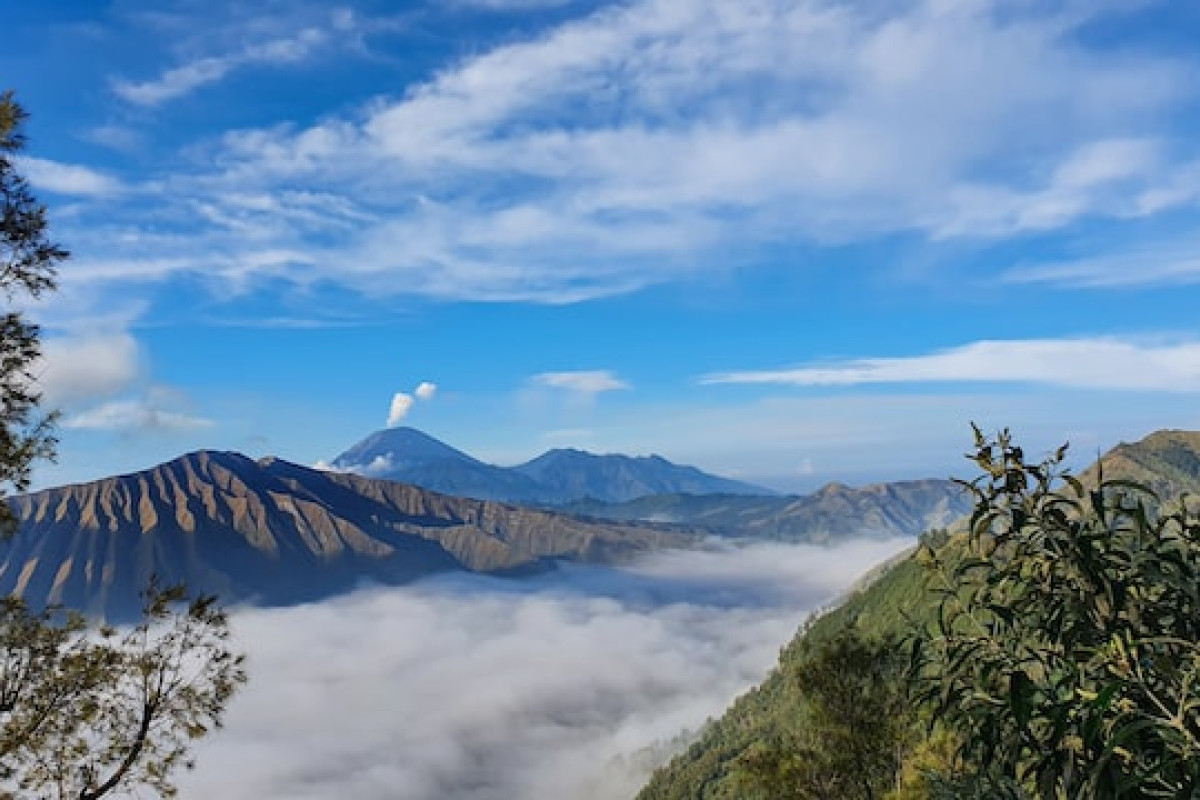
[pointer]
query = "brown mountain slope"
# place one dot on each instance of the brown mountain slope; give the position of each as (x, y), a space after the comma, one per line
(274, 532)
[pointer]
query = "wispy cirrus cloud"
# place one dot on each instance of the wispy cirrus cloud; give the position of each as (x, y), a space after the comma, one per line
(1097, 363)
(1166, 263)
(1104, 178)
(295, 47)
(583, 382)
(649, 141)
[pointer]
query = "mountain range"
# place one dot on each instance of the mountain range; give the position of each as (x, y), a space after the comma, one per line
(554, 478)
(652, 489)
(836, 511)
(274, 532)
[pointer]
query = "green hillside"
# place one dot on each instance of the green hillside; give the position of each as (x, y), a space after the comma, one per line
(889, 603)
(771, 711)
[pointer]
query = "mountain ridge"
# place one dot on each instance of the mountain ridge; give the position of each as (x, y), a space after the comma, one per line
(556, 477)
(276, 532)
(614, 477)
(899, 508)
(412, 456)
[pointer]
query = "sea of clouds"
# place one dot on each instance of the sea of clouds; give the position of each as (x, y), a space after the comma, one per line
(570, 686)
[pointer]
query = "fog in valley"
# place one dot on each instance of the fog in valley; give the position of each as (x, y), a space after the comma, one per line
(570, 685)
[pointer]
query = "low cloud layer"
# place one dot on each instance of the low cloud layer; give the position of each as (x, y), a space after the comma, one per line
(472, 688)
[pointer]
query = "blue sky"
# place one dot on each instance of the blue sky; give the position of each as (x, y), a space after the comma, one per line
(787, 241)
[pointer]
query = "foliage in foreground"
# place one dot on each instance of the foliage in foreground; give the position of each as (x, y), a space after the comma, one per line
(1054, 648)
(1066, 652)
(84, 713)
(28, 260)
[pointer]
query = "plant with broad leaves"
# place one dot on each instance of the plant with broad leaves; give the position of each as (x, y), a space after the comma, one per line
(1066, 650)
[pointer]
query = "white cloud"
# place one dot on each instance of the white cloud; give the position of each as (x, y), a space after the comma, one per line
(174, 82)
(1106, 363)
(378, 466)
(74, 179)
(80, 369)
(1166, 263)
(402, 403)
(117, 137)
(889, 433)
(585, 382)
(100, 382)
(149, 413)
(644, 141)
(186, 78)
(468, 688)
(1108, 178)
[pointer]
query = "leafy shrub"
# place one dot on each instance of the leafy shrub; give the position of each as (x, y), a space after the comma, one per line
(1066, 649)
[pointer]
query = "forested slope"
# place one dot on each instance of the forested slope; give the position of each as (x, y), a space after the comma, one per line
(897, 600)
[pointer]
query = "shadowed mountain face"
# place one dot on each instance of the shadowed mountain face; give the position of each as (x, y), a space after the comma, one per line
(904, 508)
(575, 474)
(553, 478)
(275, 532)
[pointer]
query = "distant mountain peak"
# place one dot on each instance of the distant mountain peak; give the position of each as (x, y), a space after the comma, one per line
(558, 476)
(412, 456)
(398, 448)
(577, 474)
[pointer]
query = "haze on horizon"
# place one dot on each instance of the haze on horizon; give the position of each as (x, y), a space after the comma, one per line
(787, 241)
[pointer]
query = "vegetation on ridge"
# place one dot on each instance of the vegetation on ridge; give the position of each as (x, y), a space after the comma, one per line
(1054, 653)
